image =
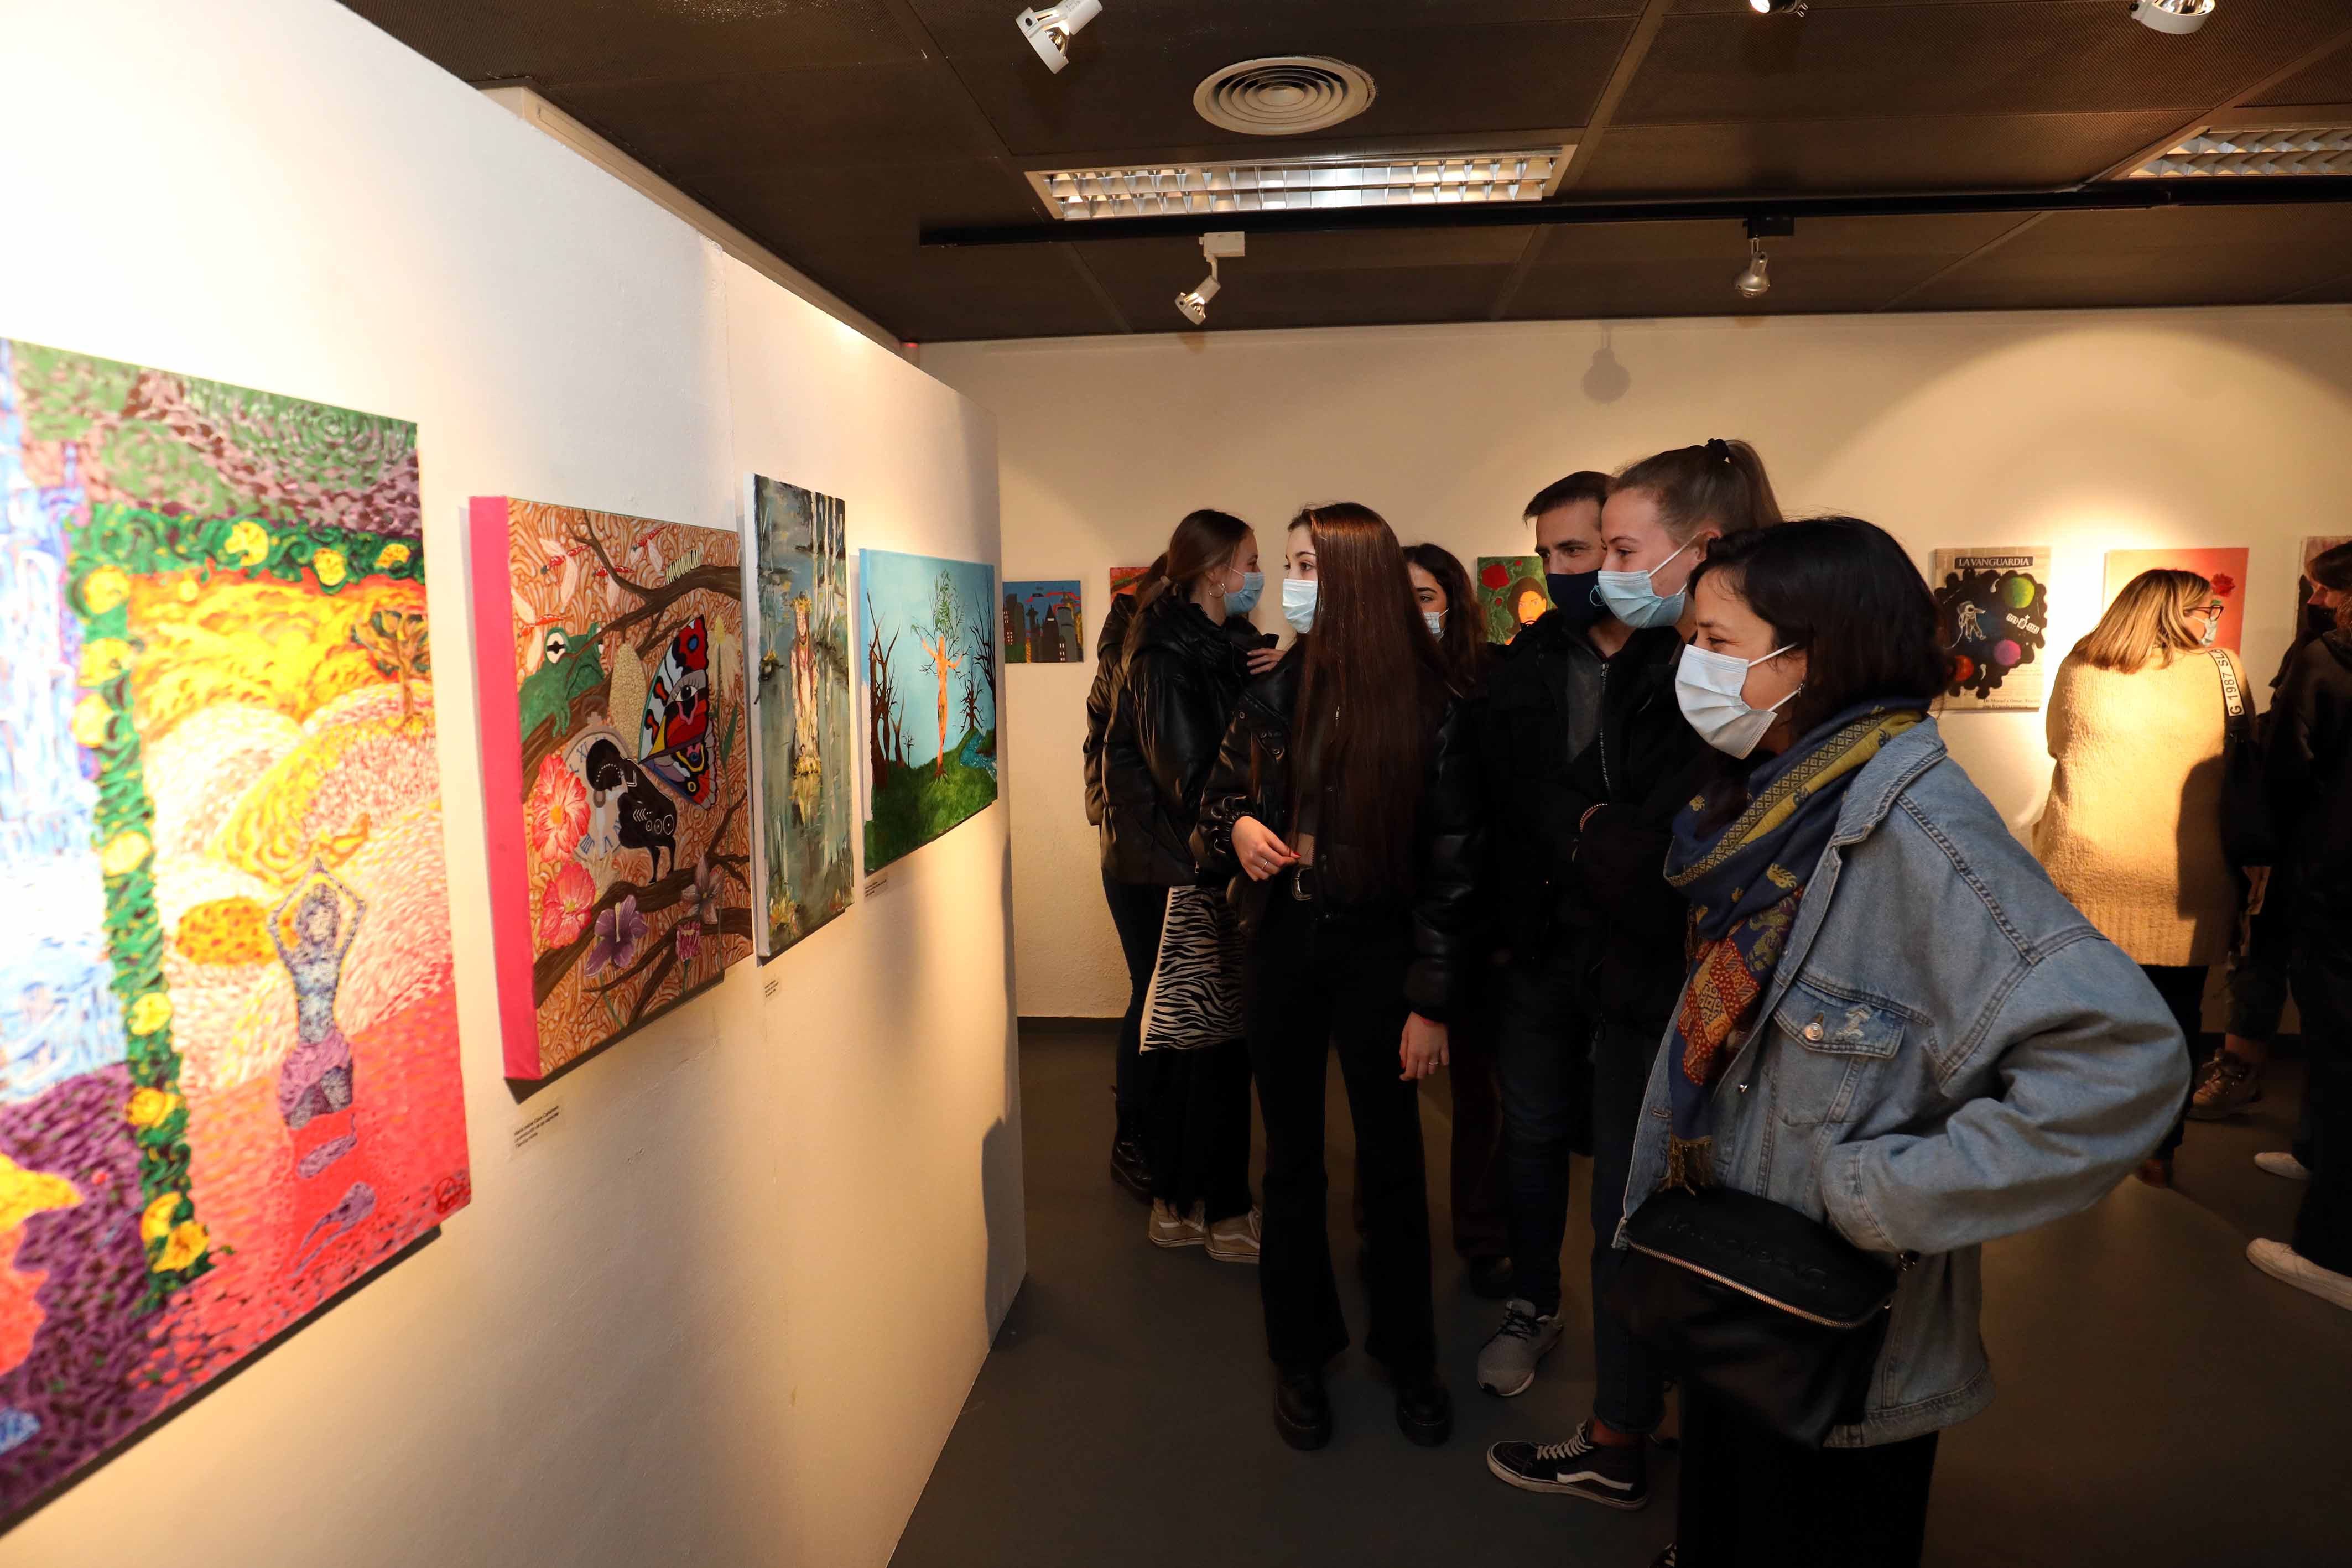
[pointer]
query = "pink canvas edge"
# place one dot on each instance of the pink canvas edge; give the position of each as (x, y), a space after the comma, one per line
(500, 707)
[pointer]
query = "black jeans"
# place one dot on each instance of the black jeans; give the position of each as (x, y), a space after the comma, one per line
(2182, 986)
(2321, 973)
(1318, 983)
(1629, 1386)
(1544, 1053)
(1751, 1499)
(1481, 1213)
(1137, 910)
(1197, 1128)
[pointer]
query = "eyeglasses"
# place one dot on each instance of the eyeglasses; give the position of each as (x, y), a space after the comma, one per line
(2213, 608)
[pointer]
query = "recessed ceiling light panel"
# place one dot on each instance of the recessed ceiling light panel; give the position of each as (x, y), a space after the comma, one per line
(1278, 185)
(2211, 153)
(1284, 95)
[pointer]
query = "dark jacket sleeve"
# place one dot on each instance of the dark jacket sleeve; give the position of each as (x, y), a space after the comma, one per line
(1451, 844)
(1110, 657)
(1225, 799)
(2289, 739)
(1178, 728)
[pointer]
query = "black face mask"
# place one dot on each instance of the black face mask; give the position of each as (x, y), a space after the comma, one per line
(2318, 621)
(1572, 594)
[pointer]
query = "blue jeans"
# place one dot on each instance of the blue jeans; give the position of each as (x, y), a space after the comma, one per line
(1630, 1389)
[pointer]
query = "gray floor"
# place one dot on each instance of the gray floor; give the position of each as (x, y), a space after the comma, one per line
(2161, 1403)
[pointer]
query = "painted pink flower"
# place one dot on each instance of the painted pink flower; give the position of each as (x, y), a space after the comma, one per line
(564, 907)
(620, 937)
(689, 941)
(555, 813)
(700, 901)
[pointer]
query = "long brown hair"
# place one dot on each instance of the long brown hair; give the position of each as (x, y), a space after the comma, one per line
(2149, 618)
(1359, 688)
(1204, 541)
(1718, 482)
(1460, 649)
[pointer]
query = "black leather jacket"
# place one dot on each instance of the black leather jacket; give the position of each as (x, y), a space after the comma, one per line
(1540, 712)
(1170, 705)
(2307, 771)
(1110, 655)
(1253, 778)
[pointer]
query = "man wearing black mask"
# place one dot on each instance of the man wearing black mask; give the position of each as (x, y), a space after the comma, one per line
(1543, 712)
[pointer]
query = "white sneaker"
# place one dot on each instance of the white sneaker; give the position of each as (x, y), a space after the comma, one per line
(1507, 1364)
(2279, 1163)
(1236, 1240)
(2281, 1261)
(1166, 1228)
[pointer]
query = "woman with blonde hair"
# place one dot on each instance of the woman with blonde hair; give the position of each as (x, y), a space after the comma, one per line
(2132, 834)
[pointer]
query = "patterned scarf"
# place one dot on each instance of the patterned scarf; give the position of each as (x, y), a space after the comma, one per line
(1745, 879)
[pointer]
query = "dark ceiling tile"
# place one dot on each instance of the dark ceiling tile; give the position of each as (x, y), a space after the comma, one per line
(1686, 268)
(963, 26)
(1311, 281)
(856, 114)
(2214, 256)
(554, 41)
(1830, 156)
(1136, 90)
(1991, 58)
(877, 206)
(2326, 80)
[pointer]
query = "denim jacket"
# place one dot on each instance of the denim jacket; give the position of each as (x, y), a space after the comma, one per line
(1948, 1053)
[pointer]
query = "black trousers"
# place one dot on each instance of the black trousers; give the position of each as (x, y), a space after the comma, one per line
(2182, 986)
(1317, 984)
(1751, 1499)
(1197, 1128)
(2321, 973)
(1482, 1220)
(1137, 910)
(1544, 1051)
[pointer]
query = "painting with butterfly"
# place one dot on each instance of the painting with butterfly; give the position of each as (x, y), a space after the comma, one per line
(616, 760)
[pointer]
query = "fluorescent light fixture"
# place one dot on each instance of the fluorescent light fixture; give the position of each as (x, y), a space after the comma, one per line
(2240, 155)
(2172, 15)
(1294, 185)
(1049, 31)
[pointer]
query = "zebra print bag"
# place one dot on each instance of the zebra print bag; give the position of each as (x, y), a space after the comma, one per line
(1195, 996)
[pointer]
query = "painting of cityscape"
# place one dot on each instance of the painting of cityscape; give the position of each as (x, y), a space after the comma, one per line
(1044, 623)
(929, 630)
(229, 1039)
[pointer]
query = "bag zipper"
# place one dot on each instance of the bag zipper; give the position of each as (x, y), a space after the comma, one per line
(1750, 1292)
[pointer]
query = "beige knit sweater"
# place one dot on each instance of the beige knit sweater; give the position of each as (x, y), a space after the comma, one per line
(2132, 833)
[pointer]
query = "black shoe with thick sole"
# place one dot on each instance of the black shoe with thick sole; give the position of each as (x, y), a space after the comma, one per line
(1302, 1411)
(1130, 1169)
(1610, 1476)
(1489, 1278)
(1424, 1410)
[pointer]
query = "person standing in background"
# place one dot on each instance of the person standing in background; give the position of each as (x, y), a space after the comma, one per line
(1482, 1234)
(1619, 936)
(2307, 768)
(2132, 833)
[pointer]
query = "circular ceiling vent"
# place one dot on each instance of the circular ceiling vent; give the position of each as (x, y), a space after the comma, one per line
(1283, 96)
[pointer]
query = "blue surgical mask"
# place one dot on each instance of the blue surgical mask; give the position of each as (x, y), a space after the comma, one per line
(1244, 600)
(1435, 621)
(1574, 595)
(1633, 598)
(1298, 604)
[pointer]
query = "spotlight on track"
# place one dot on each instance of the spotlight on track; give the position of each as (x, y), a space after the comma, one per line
(1195, 303)
(1777, 7)
(2171, 16)
(1049, 31)
(1757, 281)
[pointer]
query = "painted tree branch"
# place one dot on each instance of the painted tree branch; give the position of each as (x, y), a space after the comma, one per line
(547, 971)
(584, 535)
(720, 580)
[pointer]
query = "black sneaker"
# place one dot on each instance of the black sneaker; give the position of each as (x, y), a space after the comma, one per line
(1130, 1169)
(1598, 1472)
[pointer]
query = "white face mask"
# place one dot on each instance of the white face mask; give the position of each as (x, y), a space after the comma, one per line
(1708, 685)
(1632, 597)
(2212, 629)
(1298, 604)
(1435, 621)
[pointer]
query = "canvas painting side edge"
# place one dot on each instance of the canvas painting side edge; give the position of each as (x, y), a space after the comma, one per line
(498, 708)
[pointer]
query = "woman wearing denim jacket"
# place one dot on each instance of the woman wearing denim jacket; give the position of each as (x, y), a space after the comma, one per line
(1893, 1023)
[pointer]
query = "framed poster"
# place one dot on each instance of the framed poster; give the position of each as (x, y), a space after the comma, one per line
(614, 762)
(796, 625)
(1511, 594)
(1992, 614)
(2225, 568)
(930, 697)
(1044, 623)
(229, 1032)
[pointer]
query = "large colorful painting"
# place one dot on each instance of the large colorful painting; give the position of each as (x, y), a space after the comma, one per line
(929, 630)
(1511, 594)
(229, 1041)
(796, 615)
(2225, 568)
(1992, 612)
(1044, 623)
(615, 758)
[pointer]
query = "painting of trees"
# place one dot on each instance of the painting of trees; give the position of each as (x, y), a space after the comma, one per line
(922, 785)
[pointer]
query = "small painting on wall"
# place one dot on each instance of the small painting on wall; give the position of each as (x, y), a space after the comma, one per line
(1511, 594)
(796, 618)
(929, 633)
(616, 762)
(1992, 614)
(1123, 578)
(2225, 568)
(1043, 623)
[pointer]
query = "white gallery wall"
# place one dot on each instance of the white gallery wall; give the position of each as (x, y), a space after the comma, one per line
(2084, 431)
(724, 1310)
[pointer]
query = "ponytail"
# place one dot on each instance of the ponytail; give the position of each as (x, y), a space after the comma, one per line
(1204, 541)
(1719, 482)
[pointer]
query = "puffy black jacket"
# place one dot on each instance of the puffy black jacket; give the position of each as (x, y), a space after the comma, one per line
(1538, 713)
(1110, 655)
(2307, 768)
(1253, 778)
(1170, 705)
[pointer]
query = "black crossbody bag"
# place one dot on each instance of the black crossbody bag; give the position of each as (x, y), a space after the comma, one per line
(2246, 837)
(1773, 1311)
